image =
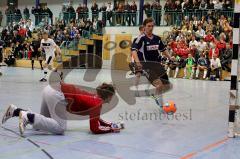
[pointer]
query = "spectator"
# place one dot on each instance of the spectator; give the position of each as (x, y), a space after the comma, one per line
(127, 14)
(195, 5)
(147, 9)
(1, 51)
(167, 9)
(71, 13)
(50, 14)
(209, 37)
(119, 10)
(9, 15)
(203, 5)
(103, 9)
(200, 33)
(213, 50)
(193, 42)
(1, 17)
(210, 5)
(189, 68)
(85, 12)
(17, 15)
(79, 11)
(36, 12)
(157, 9)
(134, 13)
(226, 58)
(227, 5)
(26, 13)
(202, 65)
(202, 45)
(95, 11)
(109, 13)
(215, 66)
(221, 44)
(218, 5)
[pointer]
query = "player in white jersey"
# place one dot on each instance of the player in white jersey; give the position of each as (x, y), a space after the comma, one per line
(49, 47)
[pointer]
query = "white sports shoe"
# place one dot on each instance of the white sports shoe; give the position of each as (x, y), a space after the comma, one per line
(9, 113)
(23, 121)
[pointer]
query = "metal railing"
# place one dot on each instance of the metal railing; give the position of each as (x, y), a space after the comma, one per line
(124, 18)
(161, 17)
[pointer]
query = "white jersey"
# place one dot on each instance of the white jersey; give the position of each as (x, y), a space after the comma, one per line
(48, 46)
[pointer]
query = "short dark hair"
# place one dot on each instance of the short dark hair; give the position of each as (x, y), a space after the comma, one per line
(148, 20)
(105, 90)
(141, 27)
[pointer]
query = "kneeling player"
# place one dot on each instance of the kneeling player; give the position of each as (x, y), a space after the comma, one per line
(74, 100)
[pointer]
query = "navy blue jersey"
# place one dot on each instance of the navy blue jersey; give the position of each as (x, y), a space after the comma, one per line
(140, 51)
(151, 47)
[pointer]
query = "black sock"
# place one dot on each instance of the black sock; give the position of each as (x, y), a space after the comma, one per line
(32, 63)
(31, 117)
(40, 61)
(17, 111)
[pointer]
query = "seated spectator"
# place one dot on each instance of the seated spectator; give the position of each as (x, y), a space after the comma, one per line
(213, 50)
(221, 44)
(215, 66)
(209, 37)
(193, 42)
(202, 45)
(202, 65)
(226, 58)
(190, 66)
(200, 33)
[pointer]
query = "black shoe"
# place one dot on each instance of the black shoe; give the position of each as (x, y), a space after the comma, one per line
(43, 80)
(32, 68)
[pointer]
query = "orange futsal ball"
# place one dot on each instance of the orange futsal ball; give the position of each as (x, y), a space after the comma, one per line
(169, 107)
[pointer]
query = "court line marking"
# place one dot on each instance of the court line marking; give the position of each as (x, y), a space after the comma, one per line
(101, 142)
(205, 148)
(29, 140)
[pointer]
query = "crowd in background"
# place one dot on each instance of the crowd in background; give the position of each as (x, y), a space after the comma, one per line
(170, 13)
(200, 45)
(199, 42)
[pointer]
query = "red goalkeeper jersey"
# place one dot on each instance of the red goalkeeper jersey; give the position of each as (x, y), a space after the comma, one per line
(84, 103)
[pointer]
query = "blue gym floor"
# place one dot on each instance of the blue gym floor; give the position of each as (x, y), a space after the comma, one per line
(199, 132)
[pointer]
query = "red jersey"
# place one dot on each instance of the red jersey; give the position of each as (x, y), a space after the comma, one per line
(209, 38)
(210, 55)
(22, 32)
(221, 45)
(85, 103)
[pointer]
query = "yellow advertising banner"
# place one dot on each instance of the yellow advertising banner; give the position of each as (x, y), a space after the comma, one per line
(237, 6)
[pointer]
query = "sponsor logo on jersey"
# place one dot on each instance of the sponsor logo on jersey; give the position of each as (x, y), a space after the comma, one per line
(46, 44)
(152, 47)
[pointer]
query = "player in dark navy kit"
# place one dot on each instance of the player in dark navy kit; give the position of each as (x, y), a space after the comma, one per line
(132, 64)
(153, 47)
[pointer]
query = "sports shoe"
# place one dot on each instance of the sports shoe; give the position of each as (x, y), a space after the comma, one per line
(9, 113)
(43, 80)
(23, 121)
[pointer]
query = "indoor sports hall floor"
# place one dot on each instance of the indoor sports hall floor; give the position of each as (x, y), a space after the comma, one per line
(199, 131)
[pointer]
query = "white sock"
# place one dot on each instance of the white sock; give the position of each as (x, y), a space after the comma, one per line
(197, 73)
(185, 72)
(205, 74)
(176, 72)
